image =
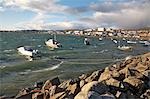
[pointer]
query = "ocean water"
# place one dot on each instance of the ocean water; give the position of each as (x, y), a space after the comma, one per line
(72, 60)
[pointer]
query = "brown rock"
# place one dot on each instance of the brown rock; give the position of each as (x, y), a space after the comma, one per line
(82, 83)
(141, 68)
(50, 83)
(73, 89)
(82, 77)
(64, 84)
(133, 81)
(38, 96)
(105, 75)
(94, 76)
(113, 82)
(58, 95)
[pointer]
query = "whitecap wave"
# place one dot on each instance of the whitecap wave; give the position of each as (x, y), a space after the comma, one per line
(42, 70)
(51, 68)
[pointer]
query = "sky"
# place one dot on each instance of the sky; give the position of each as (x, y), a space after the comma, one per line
(73, 14)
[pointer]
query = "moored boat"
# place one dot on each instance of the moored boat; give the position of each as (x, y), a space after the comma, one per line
(27, 51)
(124, 48)
(86, 41)
(53, 43)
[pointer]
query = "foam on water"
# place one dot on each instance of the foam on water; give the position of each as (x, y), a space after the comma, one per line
(42, 70)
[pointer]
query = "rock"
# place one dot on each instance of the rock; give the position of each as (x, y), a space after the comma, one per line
(24, 91)
(95, 86)
(50, 83)
(81, 95)
(38, 84)
(58, 95)
(94, 76)
(141, 68)
(127, 95)
(105, 75)
(82, 82)
(82, 77)
(64, 84)
(146, 95)
(73, 81)
(95, 95)
(133, 81)
(113, 82)
(73, 89)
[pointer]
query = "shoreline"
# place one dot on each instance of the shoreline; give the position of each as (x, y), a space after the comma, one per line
(129, 78)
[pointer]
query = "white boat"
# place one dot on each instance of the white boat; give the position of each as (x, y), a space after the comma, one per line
(115, 41)
(52, 43)
(146, 43)
(124, 48)
(131, 42)
(86, 41)
(100, 39)
(28, 52)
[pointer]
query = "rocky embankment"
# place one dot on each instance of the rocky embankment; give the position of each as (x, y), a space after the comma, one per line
(129, 79)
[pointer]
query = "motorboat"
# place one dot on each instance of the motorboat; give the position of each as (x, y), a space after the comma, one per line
(115, 41)
(28, 52)
(124, 48)
(131, 42)
(53, 43)
(100, 39)
(86, 41)
(146, 43)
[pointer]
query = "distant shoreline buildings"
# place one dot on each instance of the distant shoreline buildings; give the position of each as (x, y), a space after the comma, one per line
(99, 32)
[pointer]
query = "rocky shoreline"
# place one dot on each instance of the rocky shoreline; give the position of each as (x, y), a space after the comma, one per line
(128, 79)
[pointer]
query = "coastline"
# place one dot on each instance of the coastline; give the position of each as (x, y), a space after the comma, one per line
(129, 78)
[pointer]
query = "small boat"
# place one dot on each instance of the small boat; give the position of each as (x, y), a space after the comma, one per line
(131, 42)
(115, 41)
(86, 41)
(100, 39)
(53, 43)
(124, 48)
(28, 52)
(146, 43)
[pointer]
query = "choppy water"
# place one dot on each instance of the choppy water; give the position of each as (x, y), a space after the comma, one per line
(73, 59)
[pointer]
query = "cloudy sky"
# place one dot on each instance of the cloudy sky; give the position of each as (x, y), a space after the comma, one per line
(69, 14)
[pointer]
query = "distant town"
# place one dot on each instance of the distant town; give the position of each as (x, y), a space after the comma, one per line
(143, 33)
